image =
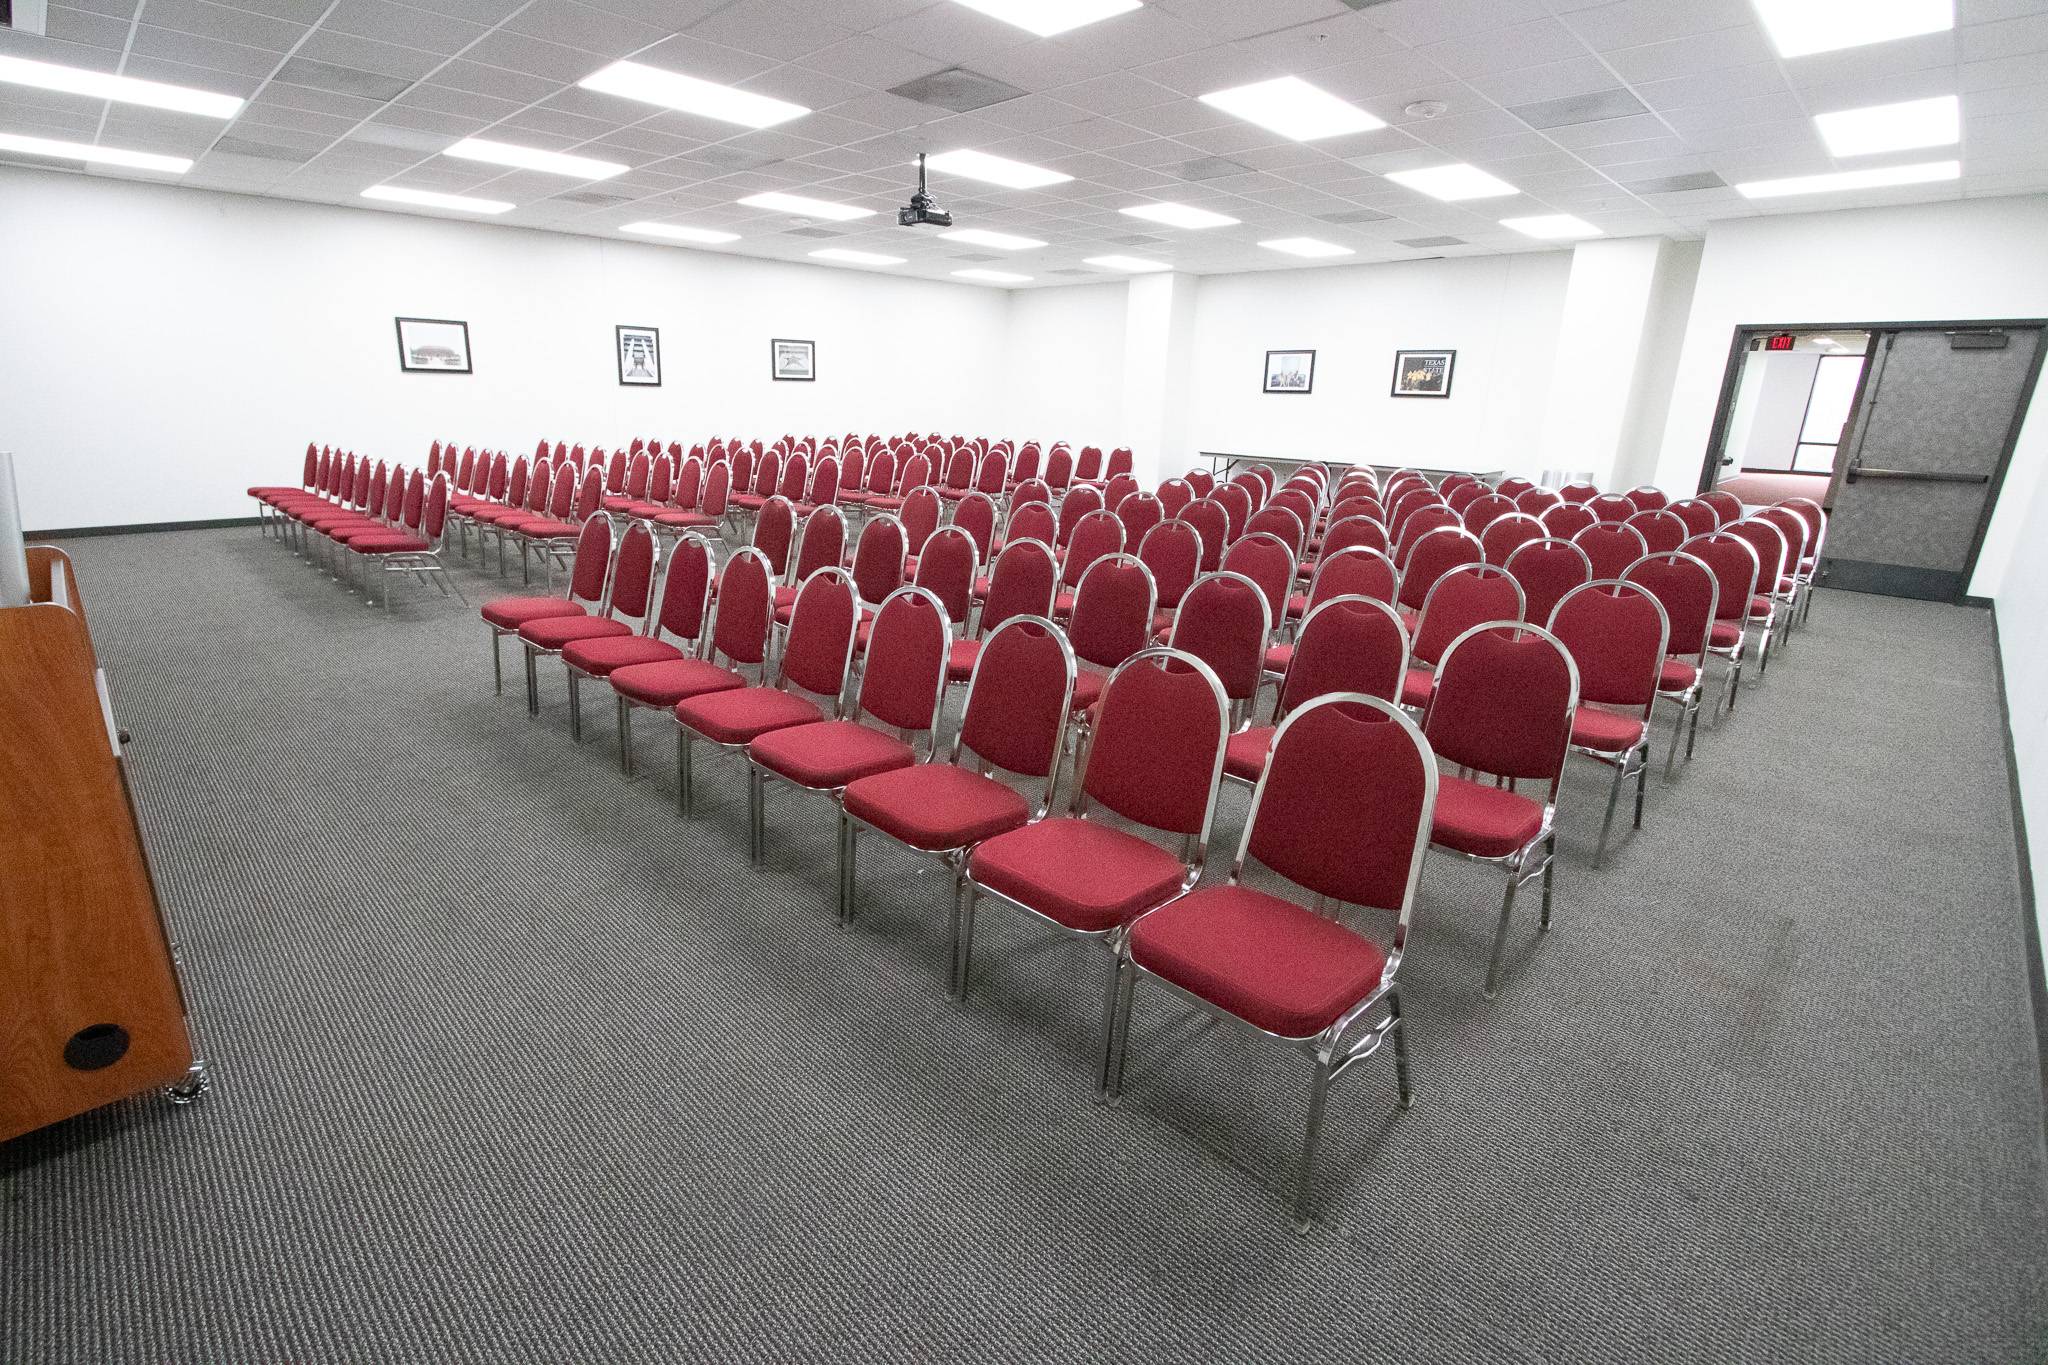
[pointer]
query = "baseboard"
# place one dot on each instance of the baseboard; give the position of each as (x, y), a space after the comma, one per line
(138, 528)
(1969, 601)
(2030, 925)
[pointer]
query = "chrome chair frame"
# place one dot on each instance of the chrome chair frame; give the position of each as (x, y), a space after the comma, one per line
(1635, 760)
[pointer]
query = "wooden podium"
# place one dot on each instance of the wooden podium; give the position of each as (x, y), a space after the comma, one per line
(91, 1008)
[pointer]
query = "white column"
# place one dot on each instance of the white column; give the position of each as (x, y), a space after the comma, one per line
(1159, 328)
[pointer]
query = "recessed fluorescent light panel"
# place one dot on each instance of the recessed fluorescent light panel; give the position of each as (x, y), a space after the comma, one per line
(1136, 265)
(993, 276)
(121, 89)
(1180, 215)
(1922, 173)
(1551, 226)
(806, 208)
(995, 170)
(1306, 246)
(92, 155)
(840, 253)
(534, 159)
(1047, 17)
(1293, 108)
(1454, 182)
(460, 203)
(1800, 27)
(1002, 241)
(708, 236)
(1936, 122)
(673, 90)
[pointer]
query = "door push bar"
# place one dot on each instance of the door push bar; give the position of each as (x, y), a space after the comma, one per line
(1857, 470)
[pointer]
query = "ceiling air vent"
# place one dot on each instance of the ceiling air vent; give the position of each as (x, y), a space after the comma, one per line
(958, 89)
(593, 197)
(267, 151)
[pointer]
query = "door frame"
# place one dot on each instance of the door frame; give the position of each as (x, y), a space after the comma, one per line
(1724, 408)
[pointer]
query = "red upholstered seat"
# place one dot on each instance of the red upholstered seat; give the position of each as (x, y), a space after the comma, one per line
(645, 510)
(1083, 874)
(1725, 634)
(387, 543)
(601, 655)
(1610, 733)
(1063, 603)
(617, 502)
(1244, 755)
(665, 684)
(1297, 603)
(831, 753)
(1087, 687)
(1759, 608)
(1270, 962)
(1481, 819)
(556, 631)
(685, 519)
(1417, 687)
(1676, 676)
(738, 715)
(960, 663)
(936, 806)
(510, 613)
(540, 528)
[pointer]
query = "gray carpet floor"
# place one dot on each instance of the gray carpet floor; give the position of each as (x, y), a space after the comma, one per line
(510, 1063)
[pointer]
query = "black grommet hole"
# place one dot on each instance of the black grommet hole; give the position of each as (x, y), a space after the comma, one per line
(96, 1046)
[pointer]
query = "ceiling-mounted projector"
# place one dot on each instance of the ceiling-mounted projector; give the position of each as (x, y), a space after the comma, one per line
(921, 211)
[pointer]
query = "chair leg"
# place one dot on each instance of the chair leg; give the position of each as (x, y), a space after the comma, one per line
(1607, 823)
(575, 707)
(1305, 1179)
(964, 900)
(757, 816)
(1109, 1003)
(1549, 868)
(625, 737)
(497, 663)
(1642, 779)
(1692, 731)
(1399, 1028)
(1677, 730)
(684, 796)
(532, 683)
(1123, 1035)
(1500, 933)
(847, 834)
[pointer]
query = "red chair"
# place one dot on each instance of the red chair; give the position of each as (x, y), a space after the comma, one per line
(1113, 610)
(1059, 468)
(1175, 494)
(1486, 509)
(1032, 521)
(1236, 502)
(1567, 519)
(1536, 501)
(1116, 488)
(1617, 634)
(1699, 517)
(673, 631)
(1342, 814)
(1025, 470)
(1725, 504)
(739, 634)
(1648, 498)
(1354, 571)
(1795, 580)
(814, 660)
(1020, 584)
(822, 543)
(1283, 525)
(1430, 558)
(1211, 521)
(1733, 562)
(1089, 467)
(1267, 561)
(976, 515)
(1579, 491)
(916, 473)
(1611, 547)
(699, 513)
(1224, 622)
(1139, 513)
(1613, 508)
(1810, 512)
(1353, 530)
(774, 530)
(1172, 551)
(823, 490)
(628, 595)
(1419, 523)
(1463, 598)
(1096, 536)
(1502, 709)
(878, 558)
(1347, 644)
(920, 513)
(1514, 486)
(1077, 504)
(1507, 534)
(903, 682)
(1460, 491)
(1155, 761)
(1547, 570)
(413, 547)
(1015, 722)
(1201, 482)
(620, 497)
(1661, 530)
(881, 480)
(583, 591)
(1772, 585)
(946, 569)
(1688, 591)
(1030, 490)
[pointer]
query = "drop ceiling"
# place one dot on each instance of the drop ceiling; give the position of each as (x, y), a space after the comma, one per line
(1636, 116)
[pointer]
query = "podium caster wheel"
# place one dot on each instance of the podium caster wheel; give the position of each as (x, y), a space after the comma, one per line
(195, 1083)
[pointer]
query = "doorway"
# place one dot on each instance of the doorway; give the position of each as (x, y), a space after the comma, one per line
(1902, 431)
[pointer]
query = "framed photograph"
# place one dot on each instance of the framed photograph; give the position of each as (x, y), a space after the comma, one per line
(433, 346)
(793, 359)
(639, 355)
(1423, 374)
(1290, 371)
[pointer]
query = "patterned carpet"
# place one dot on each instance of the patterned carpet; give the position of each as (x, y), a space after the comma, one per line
(511, 1064)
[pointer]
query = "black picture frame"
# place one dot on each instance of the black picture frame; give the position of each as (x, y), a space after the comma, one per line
(410, 351)
(619, 350)
(1419, 384)
(810, 354)
(1309, 384)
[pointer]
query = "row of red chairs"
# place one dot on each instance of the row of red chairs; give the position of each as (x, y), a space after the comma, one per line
(362, 520)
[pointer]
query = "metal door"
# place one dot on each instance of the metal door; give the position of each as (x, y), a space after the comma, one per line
(1914, 485)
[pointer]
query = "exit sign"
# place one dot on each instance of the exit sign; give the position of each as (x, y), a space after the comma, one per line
(1780, 341)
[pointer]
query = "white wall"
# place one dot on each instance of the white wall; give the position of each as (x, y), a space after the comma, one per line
(165, 348)
(1062, 373)
(1501, 313)
(1973, 259)
(2022, 607)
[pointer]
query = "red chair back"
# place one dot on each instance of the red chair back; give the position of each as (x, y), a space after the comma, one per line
(1463, 598)
(1028, 491)
(1095, 535)
(975, 514)
(1503, 703)
(746, 608)
(823, 542)
(1356, 571)
(1536, 501)
(1078, 503)
(1547, 570)
(1699, 517)
(1617, 634)
(1579, 491)
(1347, 644)
(774, 528)
(1139, 512)
(1277, 521)
(1021, 584)
(946, 567)
(1769, 543)
(1174, 495)
(1485, 510)
(1611, 507)
(922, 507)
(1224, 622)
(1113, 609)
(1661, 530)
(1018, 700)
(819, 647)
(1649, 499)
(1734, 565)
(1267, 561)
(1567, 519)
(1212, 523)
(1236, 502)
(592, 563)
(1156, 755)
(1611, 547)
(1505, 535)
(878, 558)
(686, 590)
(1689, 593)
(1172, 550)
(1724, 503)
(904, 676)
(1032, 521)
(1431, 557)
(1059, 468)
(1355, 530)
